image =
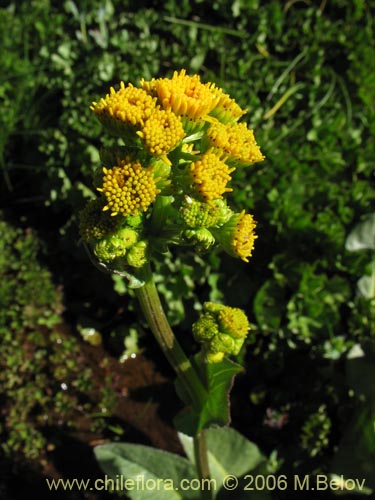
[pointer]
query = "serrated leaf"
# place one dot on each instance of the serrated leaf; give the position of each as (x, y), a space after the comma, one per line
(363, 236)
(216, 409)
(145, 466)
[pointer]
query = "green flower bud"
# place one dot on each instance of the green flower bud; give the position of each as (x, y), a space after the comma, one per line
(128, 236)
(222, 343)
(201, 238)
(137, 256)
(116, 244)
(212, 357)
(205, 328)
(197, 214)
(95, 224)
(109, 249)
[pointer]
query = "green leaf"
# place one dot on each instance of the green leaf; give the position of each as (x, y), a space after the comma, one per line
(229, 452)
(148, 471)
(216, 409)
(363, 236)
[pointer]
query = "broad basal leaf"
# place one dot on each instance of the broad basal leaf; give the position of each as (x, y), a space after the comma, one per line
(149, 471)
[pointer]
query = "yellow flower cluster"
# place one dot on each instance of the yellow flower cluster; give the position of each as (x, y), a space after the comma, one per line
(129, 188)
(237, 141)
(183, 94)
(129, 105)
(210, 176)
(182, 141)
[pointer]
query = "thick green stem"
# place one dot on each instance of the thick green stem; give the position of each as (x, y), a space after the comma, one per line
(152, 309)
(201, 460)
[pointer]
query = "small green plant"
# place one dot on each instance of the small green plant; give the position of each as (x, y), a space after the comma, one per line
(41, 377)
(164, 186)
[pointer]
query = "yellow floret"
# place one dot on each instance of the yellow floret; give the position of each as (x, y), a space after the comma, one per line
(210, 176)
(129, 188)
(162, 132)
(237, 141)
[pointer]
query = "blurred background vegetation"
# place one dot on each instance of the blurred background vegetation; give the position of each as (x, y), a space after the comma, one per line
(305, 70)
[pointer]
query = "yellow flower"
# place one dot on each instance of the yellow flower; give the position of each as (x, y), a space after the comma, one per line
(210, 175)
(237, 141)
(128, 105)
(226, 110)
(237, 235)
(161, 132)
(129, 188)
(183, 94)
(234, 322)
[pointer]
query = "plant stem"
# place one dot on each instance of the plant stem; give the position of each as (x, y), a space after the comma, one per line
(201, 460)
(152, 308)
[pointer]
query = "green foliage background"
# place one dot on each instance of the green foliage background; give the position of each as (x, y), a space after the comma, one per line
(306, 73)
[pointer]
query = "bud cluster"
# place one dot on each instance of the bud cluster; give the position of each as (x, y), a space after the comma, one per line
(221, 330)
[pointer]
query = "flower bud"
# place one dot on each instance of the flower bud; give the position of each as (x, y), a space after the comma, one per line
(201, 238)
(216, 357)
(109, 249)
(116, 245)
(205, 328)
(137, 256)
(198, 214)
(128, 236)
